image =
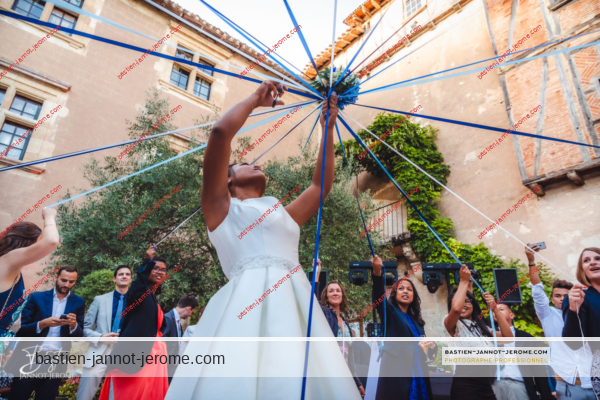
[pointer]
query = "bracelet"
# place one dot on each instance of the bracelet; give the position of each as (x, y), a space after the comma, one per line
(531, 265)
(49, 225)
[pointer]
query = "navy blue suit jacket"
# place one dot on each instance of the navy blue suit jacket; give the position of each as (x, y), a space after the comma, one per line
(39, 307)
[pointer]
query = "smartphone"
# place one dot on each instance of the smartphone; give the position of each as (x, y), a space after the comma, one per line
(540, 245)
(64, 316)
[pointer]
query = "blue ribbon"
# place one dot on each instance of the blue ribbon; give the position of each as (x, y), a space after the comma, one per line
(226, 20)
(301, 36)
(477, 62)
(141, 50)
(316, 255)
(399, 85)
(343, 75)
(486, 127)
(162, 162)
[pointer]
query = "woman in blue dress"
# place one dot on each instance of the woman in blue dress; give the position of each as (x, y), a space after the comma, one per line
(403, 371)
(20, 245)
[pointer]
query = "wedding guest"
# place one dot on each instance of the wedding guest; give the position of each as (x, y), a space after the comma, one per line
(471, 382)
(519, 382)
(405, 363)
(185, 307)
(24, 244)
(581, 310)
(570, 366)
(102, 322)
(42, 318)
(143, 318)
(333, 303)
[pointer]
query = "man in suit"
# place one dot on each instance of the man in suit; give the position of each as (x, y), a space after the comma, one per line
(521, 382)
(102, 321)
(41, 317)
(185, 307)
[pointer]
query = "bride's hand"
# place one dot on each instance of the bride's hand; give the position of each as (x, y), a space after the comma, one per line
(333, 111)
(265, 94)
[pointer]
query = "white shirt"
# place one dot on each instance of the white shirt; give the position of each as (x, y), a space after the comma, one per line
(177, 322)
(511, 371)
(58, 309)
(567, 363)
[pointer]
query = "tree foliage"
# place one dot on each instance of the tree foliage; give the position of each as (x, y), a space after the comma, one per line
(90, 228)
(417, 143)
(94, 284)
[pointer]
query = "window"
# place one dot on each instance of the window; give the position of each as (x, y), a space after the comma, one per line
(2, 93)
(9, 133)
(184, 55)
(25, 107)
(412, 6)
(29, 8)
(76, 3)
(202, 88)
(179, 77)
(63, 19)
(205, 70)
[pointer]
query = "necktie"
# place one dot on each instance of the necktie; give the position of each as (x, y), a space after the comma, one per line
(178, 329)
(117, 320)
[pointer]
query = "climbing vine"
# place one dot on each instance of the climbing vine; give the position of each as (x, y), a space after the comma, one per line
(418, 144)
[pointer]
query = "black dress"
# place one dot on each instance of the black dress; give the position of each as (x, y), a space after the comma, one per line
(399, 379)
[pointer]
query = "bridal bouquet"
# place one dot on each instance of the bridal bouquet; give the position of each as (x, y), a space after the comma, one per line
(347, 86)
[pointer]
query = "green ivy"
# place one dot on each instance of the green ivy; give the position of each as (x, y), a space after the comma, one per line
(417, 143)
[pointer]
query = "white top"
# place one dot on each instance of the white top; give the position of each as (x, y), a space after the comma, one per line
(567, 363)
(511, 371)
(276, 234)
(467, 329)
(58, 309)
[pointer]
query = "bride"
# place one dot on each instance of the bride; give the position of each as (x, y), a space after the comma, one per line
(266, 296)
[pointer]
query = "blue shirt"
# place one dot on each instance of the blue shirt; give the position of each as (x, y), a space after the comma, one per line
(116, 298)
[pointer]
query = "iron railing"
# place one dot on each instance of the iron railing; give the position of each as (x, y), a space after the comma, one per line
(393, 225)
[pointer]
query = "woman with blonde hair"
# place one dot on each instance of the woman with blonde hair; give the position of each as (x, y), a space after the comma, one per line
(581, 310)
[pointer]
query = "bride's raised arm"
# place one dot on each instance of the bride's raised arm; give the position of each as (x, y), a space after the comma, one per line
(307, 204)
(215, 193)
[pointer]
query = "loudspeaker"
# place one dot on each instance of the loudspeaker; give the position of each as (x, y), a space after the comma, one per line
(508, 289)
(322, 282)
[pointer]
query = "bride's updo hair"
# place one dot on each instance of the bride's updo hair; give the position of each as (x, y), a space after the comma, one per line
(230, 169)
(23, 235)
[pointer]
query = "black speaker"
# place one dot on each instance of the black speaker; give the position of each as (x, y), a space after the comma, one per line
(322, 282)
(508, 289)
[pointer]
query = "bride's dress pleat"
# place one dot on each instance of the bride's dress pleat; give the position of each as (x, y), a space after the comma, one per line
(261, 370)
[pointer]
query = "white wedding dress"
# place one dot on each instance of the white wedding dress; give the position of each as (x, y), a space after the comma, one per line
(267, 369)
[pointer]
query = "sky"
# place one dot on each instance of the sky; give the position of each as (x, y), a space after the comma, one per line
(269, 21)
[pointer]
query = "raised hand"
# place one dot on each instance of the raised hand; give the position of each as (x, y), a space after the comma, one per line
(333, 112)
(150, 253)
(465, 274)
(266, 92)
(489, 299)
(377, 265)
(318, 269)
(576, 296)
(530, 254)
(48, 213)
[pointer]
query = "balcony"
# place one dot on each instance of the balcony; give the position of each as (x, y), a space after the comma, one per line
(393, 226)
